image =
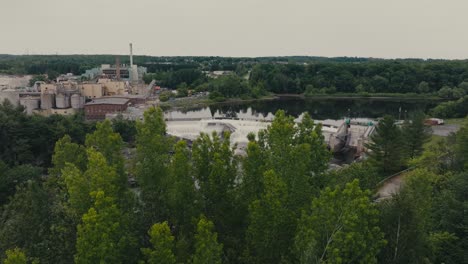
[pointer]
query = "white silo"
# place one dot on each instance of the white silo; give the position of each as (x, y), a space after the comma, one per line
(47, 101)
(77, 101)
(62, 101)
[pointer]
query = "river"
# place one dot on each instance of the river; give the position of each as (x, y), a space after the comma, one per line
(318, 108)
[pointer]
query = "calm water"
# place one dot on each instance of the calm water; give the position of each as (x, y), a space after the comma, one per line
(318, 108)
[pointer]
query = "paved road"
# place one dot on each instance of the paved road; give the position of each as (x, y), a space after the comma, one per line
(445, 130)
(393, 185)
(390, 187)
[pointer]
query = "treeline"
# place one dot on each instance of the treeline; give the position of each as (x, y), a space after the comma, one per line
(77, 64)
(309, 75)
(386, 76)
(444, 79)
(173, 202)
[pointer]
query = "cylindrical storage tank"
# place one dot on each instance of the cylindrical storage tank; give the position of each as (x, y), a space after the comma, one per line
(82, 101)
(62, 101)
(67, 101)
(47, 101)
(76, 101)
(30, 103)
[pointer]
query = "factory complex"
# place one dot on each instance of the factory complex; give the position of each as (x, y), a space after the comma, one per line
(99, 91)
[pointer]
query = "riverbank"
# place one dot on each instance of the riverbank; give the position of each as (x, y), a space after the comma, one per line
(380, 96)
(196, 102)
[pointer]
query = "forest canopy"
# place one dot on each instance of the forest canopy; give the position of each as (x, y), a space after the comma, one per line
(172, 201)
(309, 75)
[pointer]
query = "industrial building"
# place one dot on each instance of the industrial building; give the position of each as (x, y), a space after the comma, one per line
(131, 73)
(91, 90)
(11, 95)
(30, 103)
(111, 89)
(98, 108)
(13, 81)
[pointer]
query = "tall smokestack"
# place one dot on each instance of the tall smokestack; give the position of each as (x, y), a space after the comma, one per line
(131, 55)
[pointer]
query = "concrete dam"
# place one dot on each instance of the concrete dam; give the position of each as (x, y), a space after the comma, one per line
(340, 135)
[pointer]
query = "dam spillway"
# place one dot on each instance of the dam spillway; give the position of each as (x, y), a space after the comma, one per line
(338, 134)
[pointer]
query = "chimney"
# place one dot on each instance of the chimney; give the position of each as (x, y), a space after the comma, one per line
(117, 68)
(131, 55)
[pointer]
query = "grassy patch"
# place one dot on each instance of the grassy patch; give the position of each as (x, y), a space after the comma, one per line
(455, 121)
(435, 139)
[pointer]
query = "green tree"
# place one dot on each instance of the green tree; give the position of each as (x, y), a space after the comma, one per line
(452, 109)
(438, 157)
(207, 248)
(423, 87)
(184, 202)
(386, 151)
(110, 144)
(258, 90)
(311, 134)
(297, 153)
(230, 86)
(449, 210)
(461, 148)
(52, 75)
(102, 236)
(65, 151)
(367, 175)
(269, 231)
(37, 78)
(12, 177)
(25, 222)
(15, 256)
(445, 92)
(16, 141)
(253, 169)
(125, 127)
(98, 177)
(152, 159)
(72, 159)
(361, 89)
(182, 90)
(406, 220)
(458, 93)
(415, 133)
(340, 227)
(463, 85)
(163, 244)
(216, 171)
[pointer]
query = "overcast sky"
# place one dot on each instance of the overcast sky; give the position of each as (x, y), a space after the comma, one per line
(363, 28)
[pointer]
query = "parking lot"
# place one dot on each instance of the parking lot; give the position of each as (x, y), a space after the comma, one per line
(445, 130)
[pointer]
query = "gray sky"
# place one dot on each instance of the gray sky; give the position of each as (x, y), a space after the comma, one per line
(364, 28)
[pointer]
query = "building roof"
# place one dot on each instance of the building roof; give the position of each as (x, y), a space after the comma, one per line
(112, 101)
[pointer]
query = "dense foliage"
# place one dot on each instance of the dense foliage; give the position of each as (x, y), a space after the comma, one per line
(308, 75)
(452, 109)
(203, 203)
(30, 139)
